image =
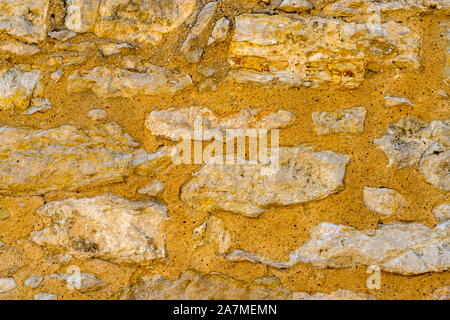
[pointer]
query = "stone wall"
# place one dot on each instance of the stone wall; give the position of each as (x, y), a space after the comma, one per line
(92, 93)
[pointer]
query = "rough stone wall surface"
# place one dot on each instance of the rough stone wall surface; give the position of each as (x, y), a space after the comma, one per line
(94, 94)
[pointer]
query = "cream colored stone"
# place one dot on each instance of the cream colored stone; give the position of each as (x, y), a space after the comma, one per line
(248, 189)
(34, 281)
(340, 121)
(154, 189)
(442, 212)
(340, 294)
(109, 81)
(390, 101)
(35, 162)
(105, 227)
(38, 105)
(442, 293)
(212, 231)
(45, 296)
(220, 31)
(127, 20)
(19, 48)
(166, 123)
(446, 35)
(413, 141)
(295, 6)
(403, 248)
(383, 201)
(406, 141)
(24, 19)
(294, 50)
(108, 49)
(7, 284)
(196, 286)
(17, 87)
(63, 35)
(204, 19)
(96, 114)
(82, 281)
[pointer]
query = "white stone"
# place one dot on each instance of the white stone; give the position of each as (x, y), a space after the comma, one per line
(247, 188)
(442, 212)
(403, 248)
(167, 123)
(33, 281)
(340, 121)
(382, 201)
(154, 189)
(45, 296)
(62, 35)
(220, 31)
(391, 101)
(212, 231)
(96, 114)
(7, 284)
(295, 5)
(105, 227)
(38, 105)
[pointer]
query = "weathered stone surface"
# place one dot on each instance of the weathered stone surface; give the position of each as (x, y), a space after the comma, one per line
(345, 121)
(413, 141)
(17, 87)
(294, 50)
(4, 214)
(248, 189)
(442, 293)
(25, 19)
(106, 227)
(212, 231)
(442, 212)
(404, 248)
(45, 296)
(96, 114)
(38, 105)
(19, 48)
(446, 35)
(67, 158)
(195, 286)
(33, 281)
(295, 6)
(11, 261)
(109, 81)
(82, 281)
(340, 294)
(220, 31)
(126, 20)
(7, 284)
(204, 19)
(165, 123)
(347, 8)
(383, 201)
(62, 35)
(154, 189)
(391, 101)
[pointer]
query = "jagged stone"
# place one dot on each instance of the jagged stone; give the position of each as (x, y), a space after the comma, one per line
(403, 248)
(212, 231)
(82, 281)
(247, 188)
(165, 123)
(295, 6)
(35, 162)
(154, 189)
(383, 201)
(17, 87)
(108, 49)
(62, 35)
(220, 31)
(340, 294)
(106, 227)
(412, 141)
(294, 50)
(34, 281)
(442, 212)
(96, 114)
(25, 19)
(195, 286)
(390, 102)
(38, 105)
(442, 293)
(126, 20)
(45, 296)
(19, 48)
(7, 284)
(109, 81)
(340, 121)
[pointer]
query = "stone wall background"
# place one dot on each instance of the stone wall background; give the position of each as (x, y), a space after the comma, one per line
(280, 229)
